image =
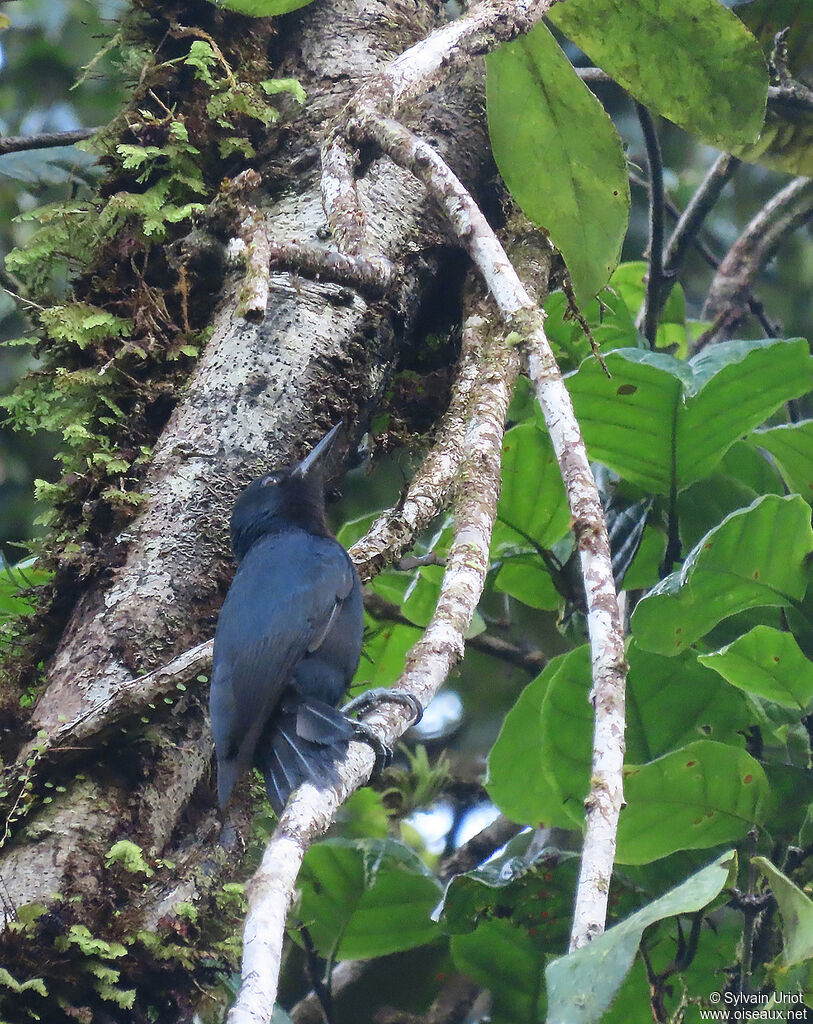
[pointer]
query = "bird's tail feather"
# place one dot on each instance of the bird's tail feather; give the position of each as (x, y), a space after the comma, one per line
(302, 745)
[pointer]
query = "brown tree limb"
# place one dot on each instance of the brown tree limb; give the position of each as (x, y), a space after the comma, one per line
(650, 310)
(727, 301)
(44, 140)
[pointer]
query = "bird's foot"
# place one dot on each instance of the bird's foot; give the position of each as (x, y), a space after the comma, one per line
(380, 695)
(383, 753)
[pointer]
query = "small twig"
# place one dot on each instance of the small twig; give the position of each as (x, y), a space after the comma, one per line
(479, 848)
(409, 562)
(321, 991)
(727, 301)
(252, 295)
(309, 1010)
(372, 276)
(650, 310)
(532, 660)
(778, 61)
(44, 140)
(691, 220)
(755, 306)
(182, 31)
(790, 93)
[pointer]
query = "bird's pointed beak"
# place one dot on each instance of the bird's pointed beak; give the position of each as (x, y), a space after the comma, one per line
(317, 456)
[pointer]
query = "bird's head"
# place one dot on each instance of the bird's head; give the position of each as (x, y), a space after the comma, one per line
(291, 497)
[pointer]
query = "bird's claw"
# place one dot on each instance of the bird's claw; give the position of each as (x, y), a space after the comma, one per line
(383, 753)
(381, 694)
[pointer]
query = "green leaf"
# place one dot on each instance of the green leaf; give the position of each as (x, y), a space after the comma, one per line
(525, 578)
(532, 501)
(531, 884)
(384, 654)
(701, 795)
(539, 768)
(507, 961)
(516, 781)
(366, 898)
(582, 984)
(791, 445)
(691, 60)
(768, 663)
(675, 701)
(755, 558)
(796, 910)
(262, 8)
(660, 420)
(559, 155)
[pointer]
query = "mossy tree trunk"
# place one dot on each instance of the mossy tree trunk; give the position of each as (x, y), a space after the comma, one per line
(120, 841)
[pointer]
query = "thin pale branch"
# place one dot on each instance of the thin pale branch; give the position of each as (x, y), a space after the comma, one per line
(604, 802)
(413, 73)
(311, 810)
(396, 529)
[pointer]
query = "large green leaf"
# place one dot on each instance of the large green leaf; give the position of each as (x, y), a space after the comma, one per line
(699, 796)
(366, 898)
(691, 60)
(517, 782)
(660, 420)
(582, 984)
(796, 910)
(755, 558)
(791, 445)
(768, 663)
(506, 960)
(559, 155)
(539, 768)
(526, 578)
(532, 501)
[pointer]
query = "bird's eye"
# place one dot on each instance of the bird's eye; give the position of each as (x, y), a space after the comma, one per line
(270, 480)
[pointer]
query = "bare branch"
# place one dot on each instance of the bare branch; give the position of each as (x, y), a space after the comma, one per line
(691, 220)
(310, 810)
(727, 301)
(605, 799)
(755, 306)
(45, 140)
(309, 1010)
(650, 310)
(531, 659)
(790, 93)
(479, 848)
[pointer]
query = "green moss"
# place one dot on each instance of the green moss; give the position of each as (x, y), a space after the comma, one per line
(129, 856)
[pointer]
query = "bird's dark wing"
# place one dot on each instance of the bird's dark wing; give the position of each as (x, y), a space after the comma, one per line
(280, 607)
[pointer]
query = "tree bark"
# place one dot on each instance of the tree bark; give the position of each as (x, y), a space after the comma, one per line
(322, 352)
